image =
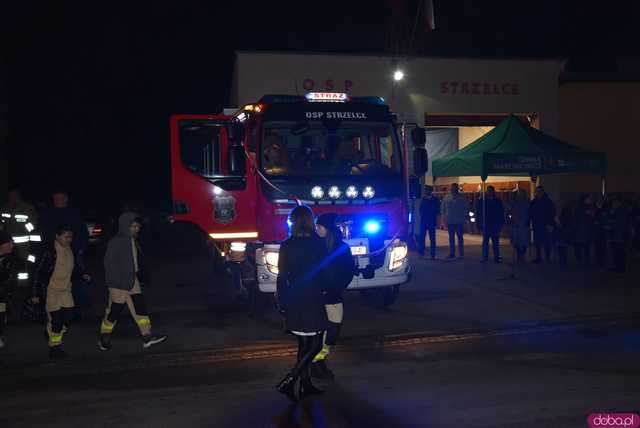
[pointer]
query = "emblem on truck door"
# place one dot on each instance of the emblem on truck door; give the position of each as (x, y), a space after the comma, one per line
(224, 211)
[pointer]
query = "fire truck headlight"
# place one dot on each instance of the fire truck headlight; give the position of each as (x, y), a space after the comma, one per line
(271, 261)
(368, 192)
(398, 256)
(351, 192)
(317, 192)
(335, 192)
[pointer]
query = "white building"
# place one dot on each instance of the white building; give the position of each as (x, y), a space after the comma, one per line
(459, 99)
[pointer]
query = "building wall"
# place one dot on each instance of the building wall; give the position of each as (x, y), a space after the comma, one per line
(452, 86)
(430, 86)
(602, 116)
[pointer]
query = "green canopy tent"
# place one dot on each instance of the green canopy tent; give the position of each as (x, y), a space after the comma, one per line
(513, 148)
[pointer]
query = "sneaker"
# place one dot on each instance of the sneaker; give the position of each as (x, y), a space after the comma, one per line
(104, 343)
(57, 353)
(149, 341)
(319, 370)
(1, 343)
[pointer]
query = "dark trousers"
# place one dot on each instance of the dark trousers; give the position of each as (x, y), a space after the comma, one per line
(542, 240)
(308, 348)
(424, 228)
(601, 251)
(619, 256)
(563, 252)
(456, 229)
(494, 236)
(583, 252)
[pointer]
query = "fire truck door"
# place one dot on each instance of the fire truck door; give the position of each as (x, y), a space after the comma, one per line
(211, 182)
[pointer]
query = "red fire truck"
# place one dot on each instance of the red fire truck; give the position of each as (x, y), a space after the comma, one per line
(237, 177)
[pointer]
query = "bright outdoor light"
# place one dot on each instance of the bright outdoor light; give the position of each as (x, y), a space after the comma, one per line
(372, 227)
(335, 192)
(368, 192)
(398, 75)
(317, 192)
(351, 192)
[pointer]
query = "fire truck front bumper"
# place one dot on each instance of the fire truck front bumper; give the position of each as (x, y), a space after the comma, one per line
(394, 271)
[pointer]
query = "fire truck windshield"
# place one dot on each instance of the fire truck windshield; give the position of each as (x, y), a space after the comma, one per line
(315, 148)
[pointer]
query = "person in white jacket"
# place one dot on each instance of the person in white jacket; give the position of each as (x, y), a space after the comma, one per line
(455, 210)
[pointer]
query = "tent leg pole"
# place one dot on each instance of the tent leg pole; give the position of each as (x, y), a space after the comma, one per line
(484, 209)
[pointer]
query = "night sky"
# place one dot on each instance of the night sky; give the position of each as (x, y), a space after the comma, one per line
(92, 84)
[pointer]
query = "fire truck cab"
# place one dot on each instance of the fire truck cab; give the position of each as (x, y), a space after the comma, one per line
(237, 177)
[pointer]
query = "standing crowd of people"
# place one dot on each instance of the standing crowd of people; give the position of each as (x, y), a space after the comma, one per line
(43, 272)
(601, 231)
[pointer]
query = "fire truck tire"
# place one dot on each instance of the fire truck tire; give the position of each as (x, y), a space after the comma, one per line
(381, 298)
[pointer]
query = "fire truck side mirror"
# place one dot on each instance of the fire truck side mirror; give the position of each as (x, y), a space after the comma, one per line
(237, 164)
(419, 137)
(420, 161)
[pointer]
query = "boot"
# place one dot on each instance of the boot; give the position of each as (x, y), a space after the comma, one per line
(306, 387)
(287, 386)
(56, 353)
(319, 370)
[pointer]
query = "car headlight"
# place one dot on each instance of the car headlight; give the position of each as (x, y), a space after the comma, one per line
(398, 255)
(271, 261)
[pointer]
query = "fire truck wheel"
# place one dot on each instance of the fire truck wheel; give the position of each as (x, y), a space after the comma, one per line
(381, 298)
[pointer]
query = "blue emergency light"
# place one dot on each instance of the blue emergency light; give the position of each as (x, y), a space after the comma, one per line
(372, 227)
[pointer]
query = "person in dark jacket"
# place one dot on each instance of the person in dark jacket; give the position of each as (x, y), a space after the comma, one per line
(125, 274)
(600, 231)
(490, 221)
(301, 275)
(340, 269)
(584, 218)
(563, 234)
(429, 213)
(619, 231)
(520, 225)
(56, 270)
(542, 212)
(8, 278)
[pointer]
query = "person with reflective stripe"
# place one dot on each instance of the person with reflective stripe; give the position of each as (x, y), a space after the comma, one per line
(55, 272)
(125, 274)
(20, 220)
(340, 268)
(8, 278)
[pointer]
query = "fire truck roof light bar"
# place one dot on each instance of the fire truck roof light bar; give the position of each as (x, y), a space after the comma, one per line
(333, 97)
(292, 99)
(234, 235)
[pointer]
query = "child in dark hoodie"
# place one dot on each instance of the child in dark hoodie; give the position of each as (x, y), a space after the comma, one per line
(124, 275)
(341, 268)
